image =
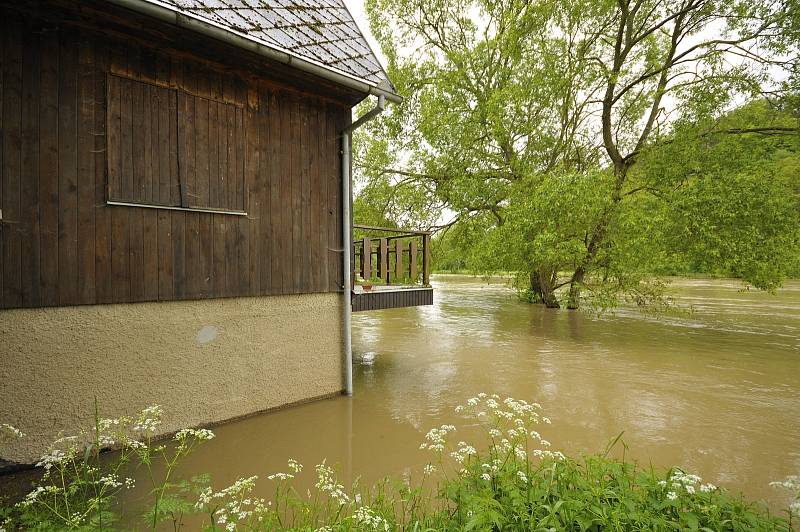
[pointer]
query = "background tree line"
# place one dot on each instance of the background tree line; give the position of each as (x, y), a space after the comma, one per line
(589, 144)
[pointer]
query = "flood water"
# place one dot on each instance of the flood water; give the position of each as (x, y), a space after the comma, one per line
(717, 391)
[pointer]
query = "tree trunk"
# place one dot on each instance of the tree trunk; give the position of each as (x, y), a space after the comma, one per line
(543, 288)
(574, 300)
(598, 238)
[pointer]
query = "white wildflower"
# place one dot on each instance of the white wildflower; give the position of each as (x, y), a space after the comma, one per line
(429, 469)
(136, 445)
(55, 457)
(326, 482)
(31, 497)
(792, 482)
(706, 488)
(522, 476)
(520, 452)
(369, 520)
(437, 437)
(9, 431)
(672, 495)
(486, 476)
(280, 476)
(110, 481)
(199, 434)
(295, 466)
(149, 419)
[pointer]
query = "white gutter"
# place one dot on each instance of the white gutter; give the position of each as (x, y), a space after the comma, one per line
(347, 239)
(240, 40)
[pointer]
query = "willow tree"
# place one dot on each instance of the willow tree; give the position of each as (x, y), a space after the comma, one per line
(524, 121)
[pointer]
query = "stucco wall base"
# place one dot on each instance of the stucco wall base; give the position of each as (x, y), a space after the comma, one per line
(203, 361)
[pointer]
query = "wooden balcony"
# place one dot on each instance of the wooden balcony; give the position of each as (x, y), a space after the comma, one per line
(391, 268)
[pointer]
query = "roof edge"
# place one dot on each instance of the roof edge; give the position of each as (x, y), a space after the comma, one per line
(209, 29)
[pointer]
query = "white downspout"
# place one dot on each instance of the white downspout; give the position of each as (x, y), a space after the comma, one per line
(347, 237)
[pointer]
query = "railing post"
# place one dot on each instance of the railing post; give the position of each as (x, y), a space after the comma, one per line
(356, 262)
(366, 258)
(383, 260)
(412, 260)
(398, 260)
(426, 259)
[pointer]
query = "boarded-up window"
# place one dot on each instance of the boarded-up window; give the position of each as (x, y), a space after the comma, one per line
(168, 148)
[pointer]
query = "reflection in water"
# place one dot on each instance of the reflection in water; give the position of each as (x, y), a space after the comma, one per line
(716, 391)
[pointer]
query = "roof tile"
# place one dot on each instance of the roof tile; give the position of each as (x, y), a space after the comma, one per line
(319, 30)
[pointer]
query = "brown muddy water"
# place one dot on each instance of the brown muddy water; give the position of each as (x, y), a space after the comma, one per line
(716, 391)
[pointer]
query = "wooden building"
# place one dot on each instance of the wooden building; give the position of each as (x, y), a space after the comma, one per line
(171, 207)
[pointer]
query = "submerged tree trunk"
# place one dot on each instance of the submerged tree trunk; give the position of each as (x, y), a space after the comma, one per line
(574, 301)
(542, 286)
(598, 238)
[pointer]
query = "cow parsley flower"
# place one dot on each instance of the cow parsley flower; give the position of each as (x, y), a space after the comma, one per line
(792, 482)
(199, 434)
(326, 482)
(55, 457)
(672, 495)
(280, 476)
(149, 419)
(110, 481)
(9, 431)
(369, 520)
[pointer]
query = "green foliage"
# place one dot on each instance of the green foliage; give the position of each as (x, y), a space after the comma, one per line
(598, 493)
(514, 483)
(589, 144)
(733, 200)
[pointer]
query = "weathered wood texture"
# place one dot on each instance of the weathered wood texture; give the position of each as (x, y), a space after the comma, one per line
(87, 116)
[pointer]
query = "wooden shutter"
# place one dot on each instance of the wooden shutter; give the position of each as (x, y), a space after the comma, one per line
(211, 138)
(142, 143)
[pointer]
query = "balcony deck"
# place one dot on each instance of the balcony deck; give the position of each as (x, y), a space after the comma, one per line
(390, 270)
(391, 297)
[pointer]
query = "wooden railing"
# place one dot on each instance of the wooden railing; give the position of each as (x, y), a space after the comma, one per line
(401, 258)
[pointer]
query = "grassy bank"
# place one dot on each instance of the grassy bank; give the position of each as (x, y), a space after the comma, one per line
(513, 480)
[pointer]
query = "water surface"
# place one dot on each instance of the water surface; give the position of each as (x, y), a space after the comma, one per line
(717, 391)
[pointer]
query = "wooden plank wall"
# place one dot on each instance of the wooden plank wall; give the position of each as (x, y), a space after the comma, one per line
(61, 244)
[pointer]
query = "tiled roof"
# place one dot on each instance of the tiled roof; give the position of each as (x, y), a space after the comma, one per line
(322, 31)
